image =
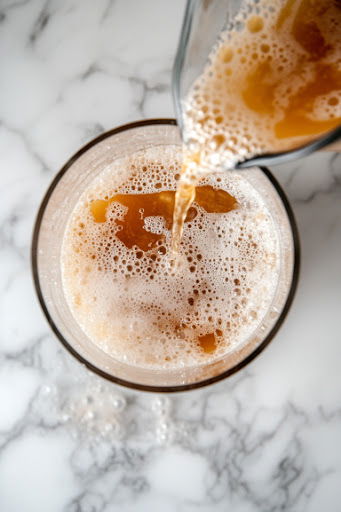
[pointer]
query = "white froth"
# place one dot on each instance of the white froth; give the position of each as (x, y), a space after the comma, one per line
(132, 305)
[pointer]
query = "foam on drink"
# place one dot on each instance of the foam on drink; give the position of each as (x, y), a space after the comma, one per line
(117, 276)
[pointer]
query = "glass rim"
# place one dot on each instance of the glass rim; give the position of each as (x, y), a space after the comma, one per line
(125, 383)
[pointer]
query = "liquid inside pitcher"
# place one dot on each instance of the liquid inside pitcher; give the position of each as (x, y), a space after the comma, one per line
(258, 82)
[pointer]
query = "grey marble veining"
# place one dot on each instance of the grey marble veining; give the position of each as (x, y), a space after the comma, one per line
(269, 438)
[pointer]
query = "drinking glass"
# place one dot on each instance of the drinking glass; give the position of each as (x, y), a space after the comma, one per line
(54, 213)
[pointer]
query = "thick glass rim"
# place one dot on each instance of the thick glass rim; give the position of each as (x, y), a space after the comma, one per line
(108, 376)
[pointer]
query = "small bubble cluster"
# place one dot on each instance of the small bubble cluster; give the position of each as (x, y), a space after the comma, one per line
(133, 305)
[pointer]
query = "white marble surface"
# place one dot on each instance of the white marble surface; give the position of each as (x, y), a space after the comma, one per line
(268, 439)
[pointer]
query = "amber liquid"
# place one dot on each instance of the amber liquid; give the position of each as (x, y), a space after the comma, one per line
(158, 204)
(312, 27)
(133, 232)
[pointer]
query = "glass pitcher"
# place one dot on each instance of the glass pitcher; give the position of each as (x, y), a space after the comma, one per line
(202, 24)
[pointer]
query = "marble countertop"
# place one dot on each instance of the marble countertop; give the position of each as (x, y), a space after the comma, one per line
(267, 439)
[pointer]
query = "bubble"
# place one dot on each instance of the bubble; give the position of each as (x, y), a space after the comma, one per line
(119, 403)
(161, 405)
(165, 432)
